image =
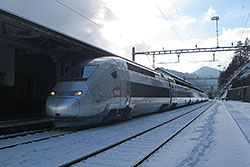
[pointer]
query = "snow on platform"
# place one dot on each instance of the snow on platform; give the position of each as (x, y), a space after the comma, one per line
(213, 140)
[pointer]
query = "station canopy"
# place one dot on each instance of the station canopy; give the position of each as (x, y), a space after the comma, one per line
(26, 35)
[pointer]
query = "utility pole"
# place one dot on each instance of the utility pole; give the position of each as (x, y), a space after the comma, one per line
(178, 58)
(133, 53)
(153, 61)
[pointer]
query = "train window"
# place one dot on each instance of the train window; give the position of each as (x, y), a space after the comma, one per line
(79, 72)
(140, 70)
(87, 71)
(114, 74)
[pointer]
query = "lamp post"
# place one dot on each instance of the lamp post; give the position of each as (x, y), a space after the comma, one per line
(216, 18)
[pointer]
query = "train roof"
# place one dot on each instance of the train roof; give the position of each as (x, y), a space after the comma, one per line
(179, 80)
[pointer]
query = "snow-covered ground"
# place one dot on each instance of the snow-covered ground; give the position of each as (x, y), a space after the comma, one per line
(57, 151)
(133, 150)
(214, 139)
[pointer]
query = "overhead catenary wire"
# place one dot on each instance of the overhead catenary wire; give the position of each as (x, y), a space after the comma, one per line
(243, 31)
(247, 20)
(178, 13)
(242, 8)
(167, 20)
(71, 9)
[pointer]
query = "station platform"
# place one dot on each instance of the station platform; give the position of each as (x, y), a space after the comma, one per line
(25, 122)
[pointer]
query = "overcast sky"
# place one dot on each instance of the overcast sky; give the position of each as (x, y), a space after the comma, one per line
(117, 25)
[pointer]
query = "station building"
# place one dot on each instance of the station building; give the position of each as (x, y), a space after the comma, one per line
(33, 58)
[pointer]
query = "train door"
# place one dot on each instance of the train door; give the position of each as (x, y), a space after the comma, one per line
(108, 86)
(170, 92)
(97, 99)
(128, 94)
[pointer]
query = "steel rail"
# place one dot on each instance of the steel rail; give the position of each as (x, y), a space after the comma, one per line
(37, 140)
(45, 138)
(170, 138)
(86, 156)
(25, 133)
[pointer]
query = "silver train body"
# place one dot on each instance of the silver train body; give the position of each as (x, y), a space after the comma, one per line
(112, 88)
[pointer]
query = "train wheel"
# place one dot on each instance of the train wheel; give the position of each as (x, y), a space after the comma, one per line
(163, 108)
(173, 105)
(128, 112)
(119, 115)
(122, 114)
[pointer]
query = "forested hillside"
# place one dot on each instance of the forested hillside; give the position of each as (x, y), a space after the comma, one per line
(240, 58)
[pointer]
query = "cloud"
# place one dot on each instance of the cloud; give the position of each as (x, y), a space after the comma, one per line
(122, 26)
(108, 15)
(207, 15)
(183, 21)
(83, 24)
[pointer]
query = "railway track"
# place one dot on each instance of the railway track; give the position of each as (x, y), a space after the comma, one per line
(133, 138)
(55, 134)
(10, 127)
(31, 132)
(168, 139)
(38, 135)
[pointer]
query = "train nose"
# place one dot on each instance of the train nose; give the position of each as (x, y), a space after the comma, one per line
(67, 107)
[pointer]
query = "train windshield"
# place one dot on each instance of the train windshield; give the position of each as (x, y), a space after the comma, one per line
(79, 72)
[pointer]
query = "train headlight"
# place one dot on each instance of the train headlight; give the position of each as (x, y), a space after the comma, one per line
(75, 93)
(78, 93)
(53, 93)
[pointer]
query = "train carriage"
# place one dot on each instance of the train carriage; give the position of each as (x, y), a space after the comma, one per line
(113, 88)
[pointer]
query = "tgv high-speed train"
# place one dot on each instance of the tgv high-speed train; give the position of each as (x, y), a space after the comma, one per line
(113, 88)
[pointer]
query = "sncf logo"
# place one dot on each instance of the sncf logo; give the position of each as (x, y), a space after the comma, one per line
(117, 91)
